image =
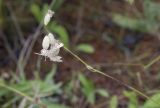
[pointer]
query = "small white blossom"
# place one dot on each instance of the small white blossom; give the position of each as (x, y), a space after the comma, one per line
(51, 48)
(51, 38)
(46, 42)
(48, 17)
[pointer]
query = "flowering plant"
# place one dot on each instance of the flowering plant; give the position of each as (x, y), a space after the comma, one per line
(50, 45)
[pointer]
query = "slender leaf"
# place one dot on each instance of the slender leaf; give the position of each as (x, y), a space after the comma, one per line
(113, 102)
(86, 48)
(153, 102)
(102, 92)
(35, 9)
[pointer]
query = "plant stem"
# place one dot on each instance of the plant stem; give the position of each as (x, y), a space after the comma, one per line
(152, 62)
(89, 67)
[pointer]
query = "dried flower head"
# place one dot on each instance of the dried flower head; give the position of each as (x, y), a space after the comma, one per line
(48, 17)
(51, 48)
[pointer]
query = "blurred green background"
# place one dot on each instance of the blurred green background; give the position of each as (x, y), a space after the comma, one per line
(118, 37)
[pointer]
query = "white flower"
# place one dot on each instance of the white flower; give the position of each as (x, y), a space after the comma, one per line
(46, 42)
(51, 38)
(48, 17)
(51, 48)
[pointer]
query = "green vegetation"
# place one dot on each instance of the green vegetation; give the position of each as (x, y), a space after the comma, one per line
(80, 90)
(148, 21)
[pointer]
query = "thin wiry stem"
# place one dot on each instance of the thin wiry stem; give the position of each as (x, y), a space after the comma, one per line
(152, 62)
(16, 24)
(89, 67)
(8, 47)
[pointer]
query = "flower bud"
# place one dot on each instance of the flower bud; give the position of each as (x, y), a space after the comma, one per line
(51, 38)
(45, 42)
(48, 17)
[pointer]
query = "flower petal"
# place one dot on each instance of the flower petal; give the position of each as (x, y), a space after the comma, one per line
(51, 38)
(45, 42)
(56, 58)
